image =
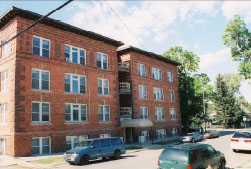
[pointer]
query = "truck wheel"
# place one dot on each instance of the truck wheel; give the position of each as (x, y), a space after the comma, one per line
(117, 154)
(222, 165)
(85, 160)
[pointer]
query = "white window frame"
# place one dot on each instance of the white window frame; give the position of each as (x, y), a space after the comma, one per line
(70, 54)
(159, 112)
(40, 112)
(104, 121)
(41, 145)
(102, 60)
(103, 86)
(157, 74)
(3, 142)
(40, 79)
(79, 138)
(141, 71)
(173, 114)
(161, 133)
(146, 134)
(41, 45)
(158, 92)
(71, 83)
(142, 96)
(105, 135)
(4, 81)
(144, 112)
(5, 49)
(79, 113)
(171, 96)
(170, 77)
(3, 112)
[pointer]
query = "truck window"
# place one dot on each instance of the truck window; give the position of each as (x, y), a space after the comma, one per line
(105, 142)
(116, 141)
(96, 143)
(194, 156)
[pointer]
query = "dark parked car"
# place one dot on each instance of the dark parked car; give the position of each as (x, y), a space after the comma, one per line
(191, 156)
(95, 148)
(211, 134)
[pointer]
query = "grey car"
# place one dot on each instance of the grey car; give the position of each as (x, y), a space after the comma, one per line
(212, 134)
(192, 137)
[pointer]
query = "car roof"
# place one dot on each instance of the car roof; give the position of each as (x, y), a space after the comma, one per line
(188, 146)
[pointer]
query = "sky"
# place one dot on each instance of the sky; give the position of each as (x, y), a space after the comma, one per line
(156, 26)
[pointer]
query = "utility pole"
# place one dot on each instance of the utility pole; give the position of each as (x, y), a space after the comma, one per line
(204, 106)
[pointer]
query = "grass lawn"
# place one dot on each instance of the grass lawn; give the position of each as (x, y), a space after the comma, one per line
(50, 160)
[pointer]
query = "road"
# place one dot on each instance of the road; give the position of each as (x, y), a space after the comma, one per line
(147, 159)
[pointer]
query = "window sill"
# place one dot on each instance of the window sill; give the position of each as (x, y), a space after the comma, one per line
(102, 69)
(173, 119)
(104, 122)
(142, 99)
(38, 90)
(41, 56)
(75, 63)
(160, 120)
(105, 95)
(41, 123)
(77, 122)
(75, 93)
(159, 100)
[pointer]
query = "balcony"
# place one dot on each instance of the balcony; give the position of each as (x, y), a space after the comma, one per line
(125, 112)
(124, 87)
(124, 67)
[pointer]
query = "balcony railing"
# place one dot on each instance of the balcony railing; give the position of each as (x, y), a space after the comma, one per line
(126, 112)
(124, 67)
(124, 87)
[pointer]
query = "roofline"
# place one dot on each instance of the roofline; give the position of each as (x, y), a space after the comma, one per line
(126, 49)
(14, 11)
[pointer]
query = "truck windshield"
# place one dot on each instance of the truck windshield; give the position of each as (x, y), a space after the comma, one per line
(84, 144)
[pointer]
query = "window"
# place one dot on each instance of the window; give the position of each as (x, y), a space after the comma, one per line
(142, 92)
(174, 131)
(3, 112)
(96, 144)
(171, 96)
(75, 55)
(2, 146)
(173, 114)
(105, 142)
(75, 83)
(158, 94)
(41, 145)
(40, 80)
(102, 61)
(75, 113)
(41, 47)
(103, 86)
(156, 74)
(40, 112)
(105, 135)
(142, 70)
(116, 141)
(143, 112)
(104, 113)
(4, 81)
(159, 113)
(161, 133)
(146, 134)
(194, 156)
(5, 49)
(170, 77)
(73, 141)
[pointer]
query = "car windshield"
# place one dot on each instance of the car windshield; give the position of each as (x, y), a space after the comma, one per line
(190, 134)
(242, 135)
(175, 155)
(84, 144)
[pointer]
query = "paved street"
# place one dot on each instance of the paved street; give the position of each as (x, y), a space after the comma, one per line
(147, 159)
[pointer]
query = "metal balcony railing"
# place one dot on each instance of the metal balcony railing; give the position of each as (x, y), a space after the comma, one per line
(126, 112)
(124, 87)
(124, 67)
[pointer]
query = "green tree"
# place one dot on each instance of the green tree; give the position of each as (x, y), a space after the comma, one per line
(238, 38)
(233, 80)
(225, 104)
(191, 106)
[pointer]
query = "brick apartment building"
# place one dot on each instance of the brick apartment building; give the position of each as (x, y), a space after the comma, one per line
(61, 84)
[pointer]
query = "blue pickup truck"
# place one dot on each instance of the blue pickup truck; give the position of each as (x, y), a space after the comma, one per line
(95, 148)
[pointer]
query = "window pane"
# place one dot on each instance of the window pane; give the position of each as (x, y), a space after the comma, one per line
(100, 90)
(46, 44)
(35, 142)
(99, 64)
(98, 57)
(105, 66)
(67, 51)
(46, 53)
(35, 150)
(75, 86)
(106, 91)
(46, 149)
(45, 75)
(36, 42)
(45, 85)
(35, 107)
(83, 113)
(82, 57)
(35, 84)
(75, 115)
(74, 55)
(45, 112)
(68, 112)
(82, 85)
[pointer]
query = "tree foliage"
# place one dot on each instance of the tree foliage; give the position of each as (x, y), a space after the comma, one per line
(238, 38)
(233, 80)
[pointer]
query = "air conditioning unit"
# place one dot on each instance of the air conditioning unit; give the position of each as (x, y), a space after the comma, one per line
(67, 59)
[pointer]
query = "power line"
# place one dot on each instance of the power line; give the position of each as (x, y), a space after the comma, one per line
(36, 22)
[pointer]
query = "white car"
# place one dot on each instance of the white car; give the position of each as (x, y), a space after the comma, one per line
(192, 137)
(241, 140)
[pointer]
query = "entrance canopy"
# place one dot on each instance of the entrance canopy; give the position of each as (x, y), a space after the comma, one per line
(136, 123)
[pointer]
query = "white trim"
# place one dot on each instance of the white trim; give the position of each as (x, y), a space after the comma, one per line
(79, 113)
(40, 79)
(103, 86)
(41, 45)
(144, 96)
(158, 92)
(78, 50)
(104, 119)
(102, 60)
(41, 145)
(40, 113)
(71, 84)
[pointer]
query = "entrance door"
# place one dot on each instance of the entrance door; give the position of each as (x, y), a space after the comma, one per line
(129, 134)
(2, 146)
